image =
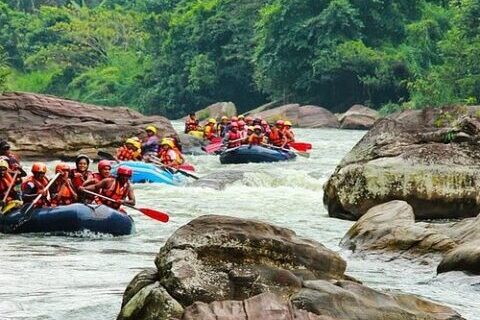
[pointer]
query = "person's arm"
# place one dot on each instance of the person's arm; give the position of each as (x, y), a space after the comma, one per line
(94, 187)
(131, 197)
(28, 192)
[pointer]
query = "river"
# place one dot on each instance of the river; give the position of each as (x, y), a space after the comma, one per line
(83, 276)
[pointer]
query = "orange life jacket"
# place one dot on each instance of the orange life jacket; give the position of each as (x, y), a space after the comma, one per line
(125, 154)
(168, 159)
(275, 137)
(255, 139)
(190, 125)
(116, 192)
(79, 178)
(35, 186)
(289, 135)
(5, 183)
(180, 158)
(63, 194)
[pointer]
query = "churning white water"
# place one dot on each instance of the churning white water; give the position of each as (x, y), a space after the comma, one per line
(83, 276)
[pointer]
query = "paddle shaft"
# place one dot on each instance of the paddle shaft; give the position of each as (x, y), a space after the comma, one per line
(303, 154)
(159, 162)
(40, 195)
(10, 187)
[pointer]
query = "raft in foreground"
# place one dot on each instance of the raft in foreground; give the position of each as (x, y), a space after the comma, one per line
(246, 154)
(71, 218)
(148, 172)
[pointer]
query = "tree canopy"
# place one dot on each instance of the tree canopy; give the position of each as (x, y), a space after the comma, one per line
(171, 57)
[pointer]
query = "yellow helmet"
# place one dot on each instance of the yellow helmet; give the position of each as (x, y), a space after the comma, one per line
(134, 143)
(212, 120)
(241, 117)
(287, 123)
(151, 128)
(167, 142)
(250, 128)
(224, 118)
(3, 164)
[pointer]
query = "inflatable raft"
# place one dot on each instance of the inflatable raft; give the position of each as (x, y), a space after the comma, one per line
(148, 172)
(246, 154)
(71, 218)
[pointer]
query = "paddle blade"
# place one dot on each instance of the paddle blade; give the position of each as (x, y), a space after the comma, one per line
(213, 147)
(187, 166)
(216, 140)
(154, 214)
(300, 146)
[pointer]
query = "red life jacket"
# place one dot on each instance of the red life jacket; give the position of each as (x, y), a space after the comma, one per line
(232, 136)
(63, 194)
(116, 192)
(166, 158)
(97, 177)
(275, 137)
(190, 125)
(79, 178)
(37, 186)
(4, 184)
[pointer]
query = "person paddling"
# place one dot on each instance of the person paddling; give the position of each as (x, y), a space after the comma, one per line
(233, 138)
(81, 173)
(168, 156)
(119, 189)
(209, 131)
(191, 123)
(35, 185)
(150, 145)
(62, 189)
(275, 137)
(256, 138)
(222, 127)
(288, 134)
(130, 151)
(8, 195)
(104, 167)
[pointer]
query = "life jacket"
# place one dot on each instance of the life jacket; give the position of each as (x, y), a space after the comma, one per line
(180, 157)
(116, 192)
(5, 183)
(169, 157)
(232, 136)
(255, 139)
(79, 178)
(275, 137)
(209, 132)
(63, 194)
(288, 135)
(190, 125)
(125, 154)
(97, 177)
(33, 186)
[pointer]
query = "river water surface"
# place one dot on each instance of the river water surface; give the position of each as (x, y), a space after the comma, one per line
(83, 276)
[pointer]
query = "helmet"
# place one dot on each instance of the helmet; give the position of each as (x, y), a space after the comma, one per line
(234, 118)
(257, 127)
(234, 125)
(212, 120)
(103, 164)
(124, 171)
(250, 128)
(264, 123)
(241, 123)
(241, 117)
(287, 123)
(80, 157)
(4, 164)
(248, 119)
(39, 167)
(224, 118)
(167, 142)
(257, 120)
(62, 166)
(4, 145)
(151, 128)
(133, 142)
(279, 122)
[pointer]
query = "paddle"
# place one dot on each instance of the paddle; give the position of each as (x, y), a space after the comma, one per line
(300, 153)
(4, 200)
(300, 146)
(154, 214)
(217, 146)
(158, 162)
(26, 216)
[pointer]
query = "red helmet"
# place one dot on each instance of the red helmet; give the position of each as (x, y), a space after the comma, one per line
(241, 123)
(124, 171)
(234, 119)
(279, 122)
(264, 123)
(62, 166)
(248, 118)
(39, 167)
(103, 164)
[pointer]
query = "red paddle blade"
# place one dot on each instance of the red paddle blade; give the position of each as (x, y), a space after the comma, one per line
(216, 140)
(187, 166)
(154, 214)
(213, 147)
(300, 146)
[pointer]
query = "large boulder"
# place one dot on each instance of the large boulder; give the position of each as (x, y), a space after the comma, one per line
(417, 156)
(48, 127)
(300, 116)
(391, 228)
(218, 267)
(217, 110)
(358, 117)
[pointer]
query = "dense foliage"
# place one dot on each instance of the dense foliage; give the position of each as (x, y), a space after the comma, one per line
(174, 56)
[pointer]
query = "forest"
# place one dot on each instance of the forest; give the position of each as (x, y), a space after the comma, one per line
(171, 57)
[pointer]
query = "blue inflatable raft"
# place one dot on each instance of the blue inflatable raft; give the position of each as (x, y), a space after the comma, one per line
(148, 172)
(246, 154)
(71, 218)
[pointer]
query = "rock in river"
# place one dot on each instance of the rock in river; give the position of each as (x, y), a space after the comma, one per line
(219, 267)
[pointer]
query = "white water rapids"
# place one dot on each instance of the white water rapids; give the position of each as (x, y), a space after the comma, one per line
(84, 276)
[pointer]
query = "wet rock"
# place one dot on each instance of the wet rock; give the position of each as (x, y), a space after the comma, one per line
(217, 110)
(218, 267)
(465, 257)
(218, 180)
(301, 116)
(192, 145)
(48, 127)
(402, 158)
(358, 117)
